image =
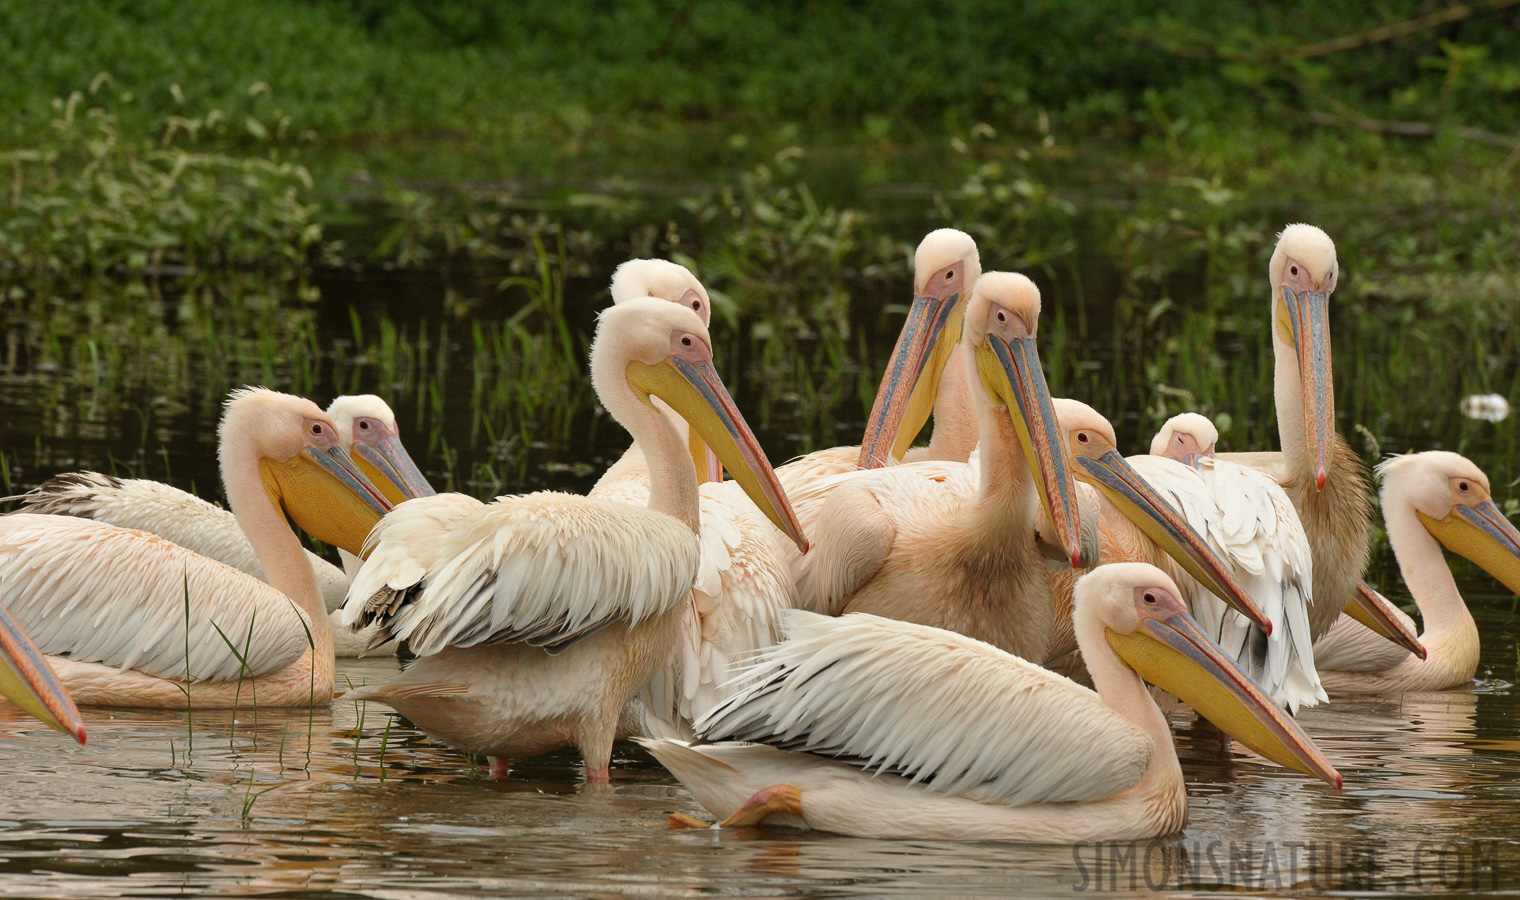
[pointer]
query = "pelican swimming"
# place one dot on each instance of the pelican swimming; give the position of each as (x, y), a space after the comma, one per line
(924, 374)
(1429, 500)
(366, 429)
(111, 606)
(537, 616)
(951, 544)
(1321, 474)
(879, 728)
(1146, 510)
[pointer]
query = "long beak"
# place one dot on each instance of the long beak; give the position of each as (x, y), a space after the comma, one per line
(389, 467)
(324, 493)
(1011, 373)
(1380, 617)
(694, 391)
(1482, 534)
(906, 396)
(1171, 652)
(1139, 502)
(1309, 316)
(27, 681)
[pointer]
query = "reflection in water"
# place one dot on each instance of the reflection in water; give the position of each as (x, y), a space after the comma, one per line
(256, 807)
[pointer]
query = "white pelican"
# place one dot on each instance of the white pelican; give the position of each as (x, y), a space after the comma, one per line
(1321, 474)
(1253, 525)
(952, 545)
(537, 616)
(1143, 513)
(924, 374)
(28, 681)
(743, 582)
(366, 428)
(111, 606)
(1429, 500)
(878, 728)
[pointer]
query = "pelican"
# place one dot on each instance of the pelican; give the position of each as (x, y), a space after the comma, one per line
(366, 429)
(951, 544)
(28, 681)
(1251, 522)
(538, 616)
(129, 619)
(924, 374)
(1147, 512)
(743, 582)
(1321, 474)
(878, 728)
(1430, 500)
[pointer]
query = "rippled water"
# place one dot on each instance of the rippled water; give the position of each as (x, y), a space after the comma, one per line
(286, 803)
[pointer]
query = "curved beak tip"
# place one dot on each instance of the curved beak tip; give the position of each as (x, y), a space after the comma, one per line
(1076, 557)
(1339, 781)
(1422, 652)
(1319, 478)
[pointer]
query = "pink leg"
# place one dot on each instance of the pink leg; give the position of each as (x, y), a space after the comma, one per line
(598, 776)
(501, 767)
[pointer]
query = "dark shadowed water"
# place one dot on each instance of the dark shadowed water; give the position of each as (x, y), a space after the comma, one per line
(291, 804)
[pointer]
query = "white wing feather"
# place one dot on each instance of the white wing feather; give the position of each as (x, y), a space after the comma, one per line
(542, 568)
(172, 514)
(97, 593)
(956, 715)
(1249, 521)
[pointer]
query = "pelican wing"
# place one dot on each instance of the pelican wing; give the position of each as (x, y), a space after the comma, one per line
(956, 715)
(1249, 521)
(97, 593)
(544, 569)
(170, 513)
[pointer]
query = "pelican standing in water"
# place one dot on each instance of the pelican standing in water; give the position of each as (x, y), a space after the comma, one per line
(952, 545)
(1429, 500)
(743, 581)
(111, 606)
(1321, 474)
(538, 616)
(924, 375)
(879, 728)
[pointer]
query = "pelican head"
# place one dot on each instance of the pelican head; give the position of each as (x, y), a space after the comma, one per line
(1451, 498)
(1001, 320)
(945, 268)
(367, 430)
(665, 280)
(306, 472)
(1304, 272)
(1090, 439)
(28, 681)
(1186, 437)
(1136, 610)
(656, 349)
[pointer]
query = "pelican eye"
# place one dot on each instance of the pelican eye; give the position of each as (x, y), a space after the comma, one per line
(316, 429)
(696, 305)
(1081, 437)
(1002, 316)
(949, 276)
(363, 425)
(1462, 486)
(1293, 270)
(1149, 597)
(685, 342)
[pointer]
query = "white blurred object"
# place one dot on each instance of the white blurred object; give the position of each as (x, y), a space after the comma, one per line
(1488, 407)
